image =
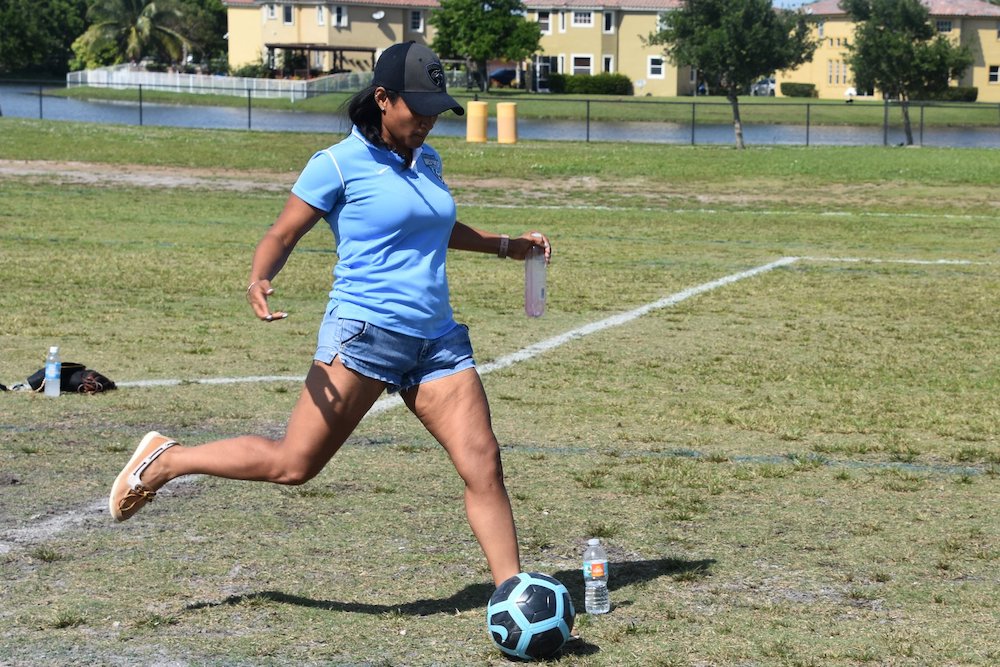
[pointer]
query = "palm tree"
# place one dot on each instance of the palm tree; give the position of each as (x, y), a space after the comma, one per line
(136, 28)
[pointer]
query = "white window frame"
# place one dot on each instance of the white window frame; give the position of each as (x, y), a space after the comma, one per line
(562, 23)
(590, 61)
(820, 28)
(545, 26)
(650, 74)
(608, 63)
(608, 23)
(994, 74)
(583, 19)
(320, 15)
(338, 17)
(562, 63)
(419, 16)
(288, 14)
(271, 11)
(943, 25)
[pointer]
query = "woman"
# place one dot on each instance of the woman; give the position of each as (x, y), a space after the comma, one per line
(389, 323)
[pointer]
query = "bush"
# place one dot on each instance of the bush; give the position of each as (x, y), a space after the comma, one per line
(953, 94)
(585, 84)
(789, 89)
(257, 70)
(557, 83)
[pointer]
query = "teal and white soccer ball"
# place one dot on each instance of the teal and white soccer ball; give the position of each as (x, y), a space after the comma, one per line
(530, 616)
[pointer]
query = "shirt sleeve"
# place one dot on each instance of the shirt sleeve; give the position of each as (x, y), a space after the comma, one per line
(321, 183)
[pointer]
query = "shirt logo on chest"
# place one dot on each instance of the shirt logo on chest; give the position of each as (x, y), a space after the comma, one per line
(434, 164)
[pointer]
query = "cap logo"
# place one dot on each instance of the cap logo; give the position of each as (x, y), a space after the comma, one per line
(436, 74)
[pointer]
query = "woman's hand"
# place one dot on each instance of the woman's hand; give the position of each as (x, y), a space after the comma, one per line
(519, 247)
(257, 293)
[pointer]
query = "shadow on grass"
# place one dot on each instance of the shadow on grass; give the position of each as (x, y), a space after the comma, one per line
(476, 596)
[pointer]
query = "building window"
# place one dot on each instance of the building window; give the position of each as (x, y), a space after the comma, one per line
(654, 68)
(416, 21)
(340, 16)
(271, 11)
(609, 64)
(583, 19)
(994, 74)
(944, 26)
(583, 65)
(609, 22)
(545, 22)
(321, 15)
(288, 14)
(562, 21)
(820, 28)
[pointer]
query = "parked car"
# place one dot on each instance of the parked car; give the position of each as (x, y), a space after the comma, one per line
(503, 77)
(763, 88)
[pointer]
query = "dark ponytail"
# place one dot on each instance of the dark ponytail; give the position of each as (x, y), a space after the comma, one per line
(364, 112)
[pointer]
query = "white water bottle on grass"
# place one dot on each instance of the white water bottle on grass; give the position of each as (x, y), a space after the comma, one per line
(596, 598)
(53, 372)
(534, 282)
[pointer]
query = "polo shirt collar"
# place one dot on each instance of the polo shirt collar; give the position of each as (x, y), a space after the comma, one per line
(416, 152)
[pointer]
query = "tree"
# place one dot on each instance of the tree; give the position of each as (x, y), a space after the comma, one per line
(734, 43)
(204, 23)
(132, 30)
(476, 32)
(899, 52)
(38, 35)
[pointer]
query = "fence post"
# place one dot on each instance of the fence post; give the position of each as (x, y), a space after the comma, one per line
(808, 110)
(885, 122)
(692, 120)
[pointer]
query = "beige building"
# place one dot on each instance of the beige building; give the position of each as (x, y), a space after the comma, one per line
(588, 37)
(578, 37)
(972, 22)
(331, 36)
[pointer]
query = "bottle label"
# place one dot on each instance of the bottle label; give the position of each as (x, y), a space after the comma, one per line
(595, 569)
(52, 371)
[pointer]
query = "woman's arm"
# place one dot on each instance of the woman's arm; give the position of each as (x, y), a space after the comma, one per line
(273, 250)
(464, 237)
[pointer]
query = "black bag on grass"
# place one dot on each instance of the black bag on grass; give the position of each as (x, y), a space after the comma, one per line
(75, 378)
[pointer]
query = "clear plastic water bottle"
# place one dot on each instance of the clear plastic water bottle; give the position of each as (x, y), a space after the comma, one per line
(596, 598)
(534, 282)
(53, 372)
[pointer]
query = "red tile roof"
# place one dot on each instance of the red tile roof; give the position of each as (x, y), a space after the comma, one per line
(597, 5)
(970, 8)
(429, 4)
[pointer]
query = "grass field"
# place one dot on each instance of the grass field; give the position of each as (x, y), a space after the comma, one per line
(787, 440)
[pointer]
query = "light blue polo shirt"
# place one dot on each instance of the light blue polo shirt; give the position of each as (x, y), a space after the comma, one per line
(392, 224)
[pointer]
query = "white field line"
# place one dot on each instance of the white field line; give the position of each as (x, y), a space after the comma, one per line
(741, 211)
(94, 511)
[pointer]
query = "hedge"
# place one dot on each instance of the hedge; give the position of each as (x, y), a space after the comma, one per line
(789, 89)
(586, 84)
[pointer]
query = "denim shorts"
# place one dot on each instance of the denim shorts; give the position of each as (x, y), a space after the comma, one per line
(399, 360)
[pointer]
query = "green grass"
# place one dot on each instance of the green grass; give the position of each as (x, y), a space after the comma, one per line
(758, 110)
(799, 468)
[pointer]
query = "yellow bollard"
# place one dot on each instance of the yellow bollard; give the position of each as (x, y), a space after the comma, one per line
(475, 124)
(507, 122)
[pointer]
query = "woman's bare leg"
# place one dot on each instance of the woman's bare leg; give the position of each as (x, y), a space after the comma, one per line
(332, 403)
(455, 411)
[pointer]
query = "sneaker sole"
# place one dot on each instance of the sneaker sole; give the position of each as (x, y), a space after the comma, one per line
(123, 475)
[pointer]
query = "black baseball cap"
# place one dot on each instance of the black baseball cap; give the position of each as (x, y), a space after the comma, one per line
(413, 71)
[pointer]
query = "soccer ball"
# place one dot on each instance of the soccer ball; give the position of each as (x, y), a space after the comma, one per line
(530, 616)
